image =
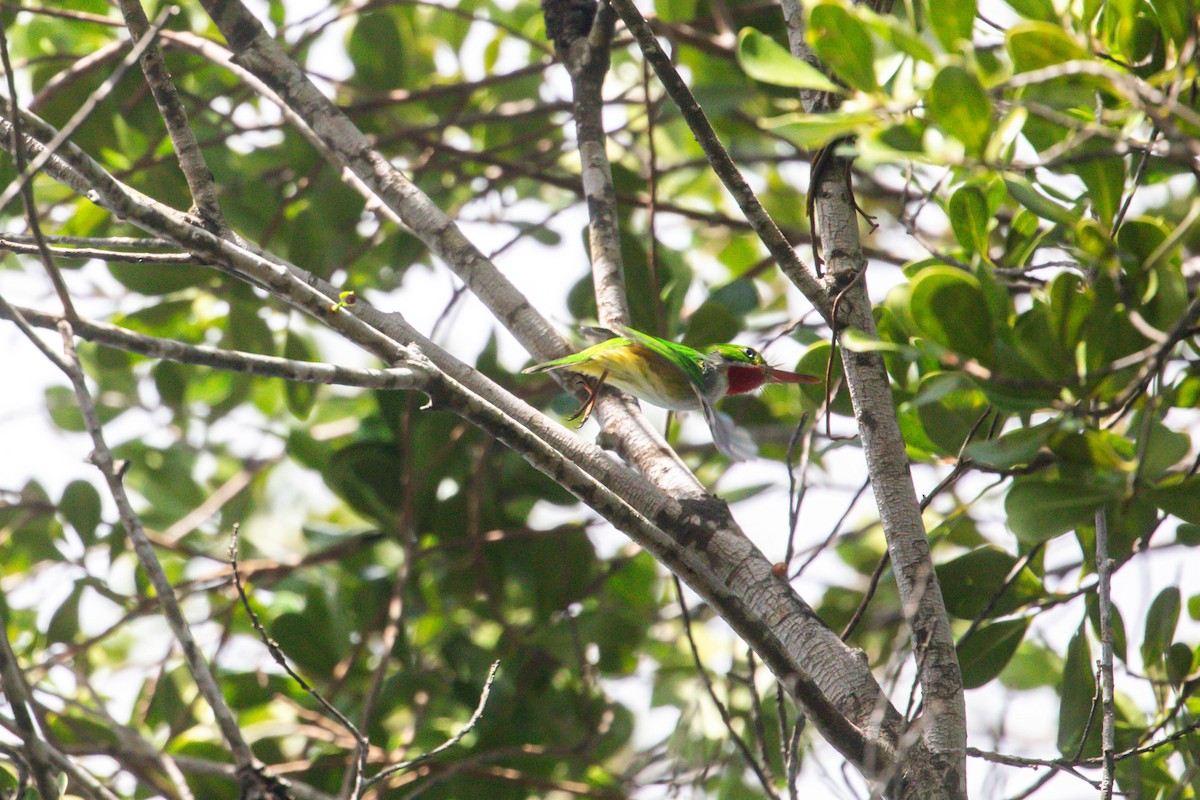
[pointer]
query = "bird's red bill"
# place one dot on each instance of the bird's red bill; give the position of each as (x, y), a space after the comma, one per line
(783, 376)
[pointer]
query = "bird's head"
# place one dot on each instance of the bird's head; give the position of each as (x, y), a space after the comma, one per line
(746, 369)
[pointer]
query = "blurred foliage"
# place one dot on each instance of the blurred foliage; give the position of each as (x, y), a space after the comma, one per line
(1038, 161)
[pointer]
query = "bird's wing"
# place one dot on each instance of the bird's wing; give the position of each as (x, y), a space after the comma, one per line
(657, 346)
(734, 442)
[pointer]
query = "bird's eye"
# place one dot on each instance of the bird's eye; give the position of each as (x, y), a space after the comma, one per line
(750, 353)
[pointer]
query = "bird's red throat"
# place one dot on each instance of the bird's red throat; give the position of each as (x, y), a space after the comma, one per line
(745, 379)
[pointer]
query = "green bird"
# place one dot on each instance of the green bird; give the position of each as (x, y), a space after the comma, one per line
(676, 377)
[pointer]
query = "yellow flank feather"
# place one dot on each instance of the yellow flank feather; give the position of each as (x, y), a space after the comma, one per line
(643, 373)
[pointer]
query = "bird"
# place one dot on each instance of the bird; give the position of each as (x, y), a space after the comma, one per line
(674, 376)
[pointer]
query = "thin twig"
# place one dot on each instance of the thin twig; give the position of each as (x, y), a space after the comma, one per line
(85, 108)
(1104, 565)
(1013, 575)
(86, 253)
(25, 190)
(394, 622)
(760, 729)
(360, 741)
(412, 376)
(764, 226)
(759, 769)
(872, 585)
(1036, 785)
(17, 696)
(248, 767)
(797, 489)
(833, 532)
(453, 740)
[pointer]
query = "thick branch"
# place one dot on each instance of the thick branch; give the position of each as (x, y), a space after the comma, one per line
(170, 107)
(943, 727)
(694, 538)
(766, 228)
(586, 53)
(350, 151)
(261, 55)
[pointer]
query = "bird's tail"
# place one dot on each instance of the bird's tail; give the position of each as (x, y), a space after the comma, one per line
(594, 333)
(548, 366)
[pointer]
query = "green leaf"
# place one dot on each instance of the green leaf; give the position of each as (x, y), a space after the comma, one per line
(1070, 303)
(949, 306)
(1042, 10)
(766, 60)
(1178, 497)
(814, 362)
(1040, 509)
(80, 505)
(843, 44)
(304, 638)
(970, 581)
(1078, 689)
(711, 323)
(739, 296)
(722, 316)
(64, 409)
(1105, 182)
(987, 651)
(300, 396)
(1101, 450)
(970, 218)
(377, 49)
(1179, 663)
(812, 131)
(1034, 45)
(1161, 621)
(900, 34)
(949, 406)
(64, 624)
(1024, 193)
(1188, 535)
(157, 279)
(952, 20)
(960, 107)
(1032, 667)
(1164, 449)
(367, 476)
(676, 10)
(856, 341)
(1140, 43)
(1176, 18)
(1013, 449)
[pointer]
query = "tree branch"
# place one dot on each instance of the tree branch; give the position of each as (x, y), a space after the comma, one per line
(350, 149)
(102, 457)
(764, 226)
(1104, 567)
(412, 375)
(16, 692)
(943, 729)
(170, 108)
(695, 538)
(586, 55)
